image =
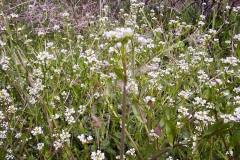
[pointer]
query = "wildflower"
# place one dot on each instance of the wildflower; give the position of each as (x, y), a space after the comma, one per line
(153, 135)
(231, 60)
(13, 15)
(202, 17)
(118, 157)
(40, 146)
(85, 139)
(201, 23)
(199, 101)
(65, 136)
(4, 62)
(169, 158)
(97, 155)
(68, 111)
(41, 33)
(201, 115)
(12, 109)
(228, 7)
(185, 94)
(82, 109)
(9, 156)
(37, 130)
(142, 41)
(2, 43)
(184, 111)
(65, 14)
(119, 33)
(56, 27)
(131, 152)
(57, 144)
(18, 135)
(229, 153)
(1, 115)
(3, 134)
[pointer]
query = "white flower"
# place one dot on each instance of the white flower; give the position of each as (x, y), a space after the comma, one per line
(40, 146)
(3, 134)
(85, 139)
(131, 152)
(57, 144)
(97, 155)
(65, 136)
(142, 40)
(119, 33)
(12, 109)
(13, 15)
(65, 14)
(37, 130)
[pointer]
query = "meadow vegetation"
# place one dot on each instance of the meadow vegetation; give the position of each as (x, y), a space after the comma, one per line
(127, 80)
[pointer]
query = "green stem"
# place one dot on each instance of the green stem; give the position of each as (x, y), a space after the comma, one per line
(123, 101)
(133, 61)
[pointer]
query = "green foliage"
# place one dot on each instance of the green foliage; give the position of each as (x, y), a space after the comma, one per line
(62, 88)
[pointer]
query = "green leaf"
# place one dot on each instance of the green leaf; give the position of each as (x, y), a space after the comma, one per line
(149, 150)
(105, 144)
(144, 88)
(238, 50)
(110, 151)
(170, 130)
(214, 127)
(217, 128)
(235, 138)
(136, 114)
(119, 73)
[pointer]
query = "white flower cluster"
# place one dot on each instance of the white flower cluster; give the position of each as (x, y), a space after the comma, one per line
(2, 43)
(231, 60)
(214, 82)
(185, 94)
(82, 109)
(3, 134)
(44, 57)
(142, 40)
(5, 96)
(153, 135)
(199, 101)
(131, 152)
(119, 34)
(97, 155)
(183, 112)
(85, 139)
(12, 109)
(35, 90)
(237, 37)
(183, 66)
(4, 62)
(63, 137)
(149, 98)
(202, 76)
(132, 87)
(1, 116)
(68, 115)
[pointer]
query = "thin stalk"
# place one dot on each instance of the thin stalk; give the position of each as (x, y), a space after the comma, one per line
(123, 101)
(133, 61)
(135, 146)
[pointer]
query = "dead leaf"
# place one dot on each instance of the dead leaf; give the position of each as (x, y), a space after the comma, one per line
(150, 103)
(96, 122)
(158, 130)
